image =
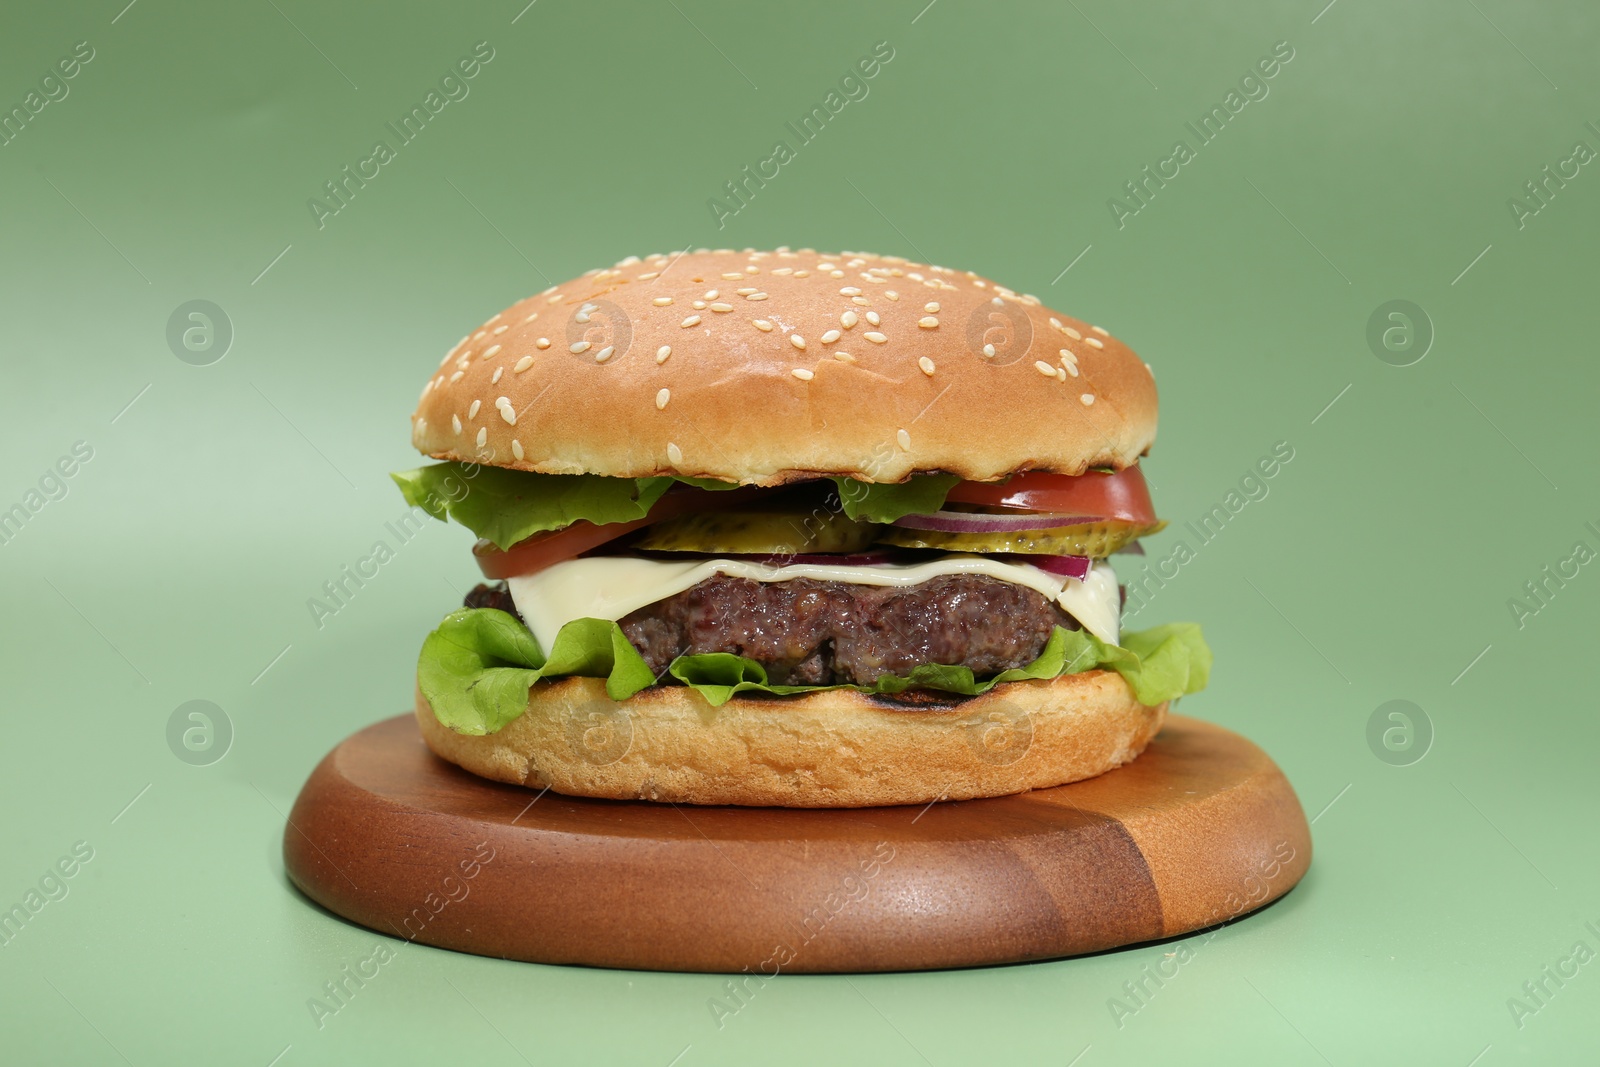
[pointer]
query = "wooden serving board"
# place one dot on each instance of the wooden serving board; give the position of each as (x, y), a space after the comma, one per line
(1201, 828)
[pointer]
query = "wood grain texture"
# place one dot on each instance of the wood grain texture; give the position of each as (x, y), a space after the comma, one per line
(1201, 828)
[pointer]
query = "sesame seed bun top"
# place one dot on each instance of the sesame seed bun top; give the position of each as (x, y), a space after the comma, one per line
(770, 367)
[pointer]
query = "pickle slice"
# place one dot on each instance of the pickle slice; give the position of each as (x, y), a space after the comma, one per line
(757, 532)
(1098, 539)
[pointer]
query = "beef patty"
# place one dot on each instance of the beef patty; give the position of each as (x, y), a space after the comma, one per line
(808, 632)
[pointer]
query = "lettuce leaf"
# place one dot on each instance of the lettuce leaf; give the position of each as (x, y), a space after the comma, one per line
(506, 506)
(886, 502)
(477, 667)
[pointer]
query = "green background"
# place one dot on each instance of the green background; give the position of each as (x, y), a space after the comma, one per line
(1378, 567)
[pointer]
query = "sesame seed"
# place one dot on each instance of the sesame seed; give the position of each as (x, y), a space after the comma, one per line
(698, 305)
(830, 337)
(1070, 332)
(579, 347)
(860, 301)
(848, 319)
(711, 294)
(692, 320)
(988, 351)
(827, 266)
(803, 374)
(662, 301)
(581, 316)
(721, 307)
(462, 362)
(662, 397)
(836, 273)
(752, 269)
(674, 453)
(904, 439)
(516, 448)
(784, 270)
(604, 354)
(543, 342)
(732, 276)
(507, 412)
(1099, 331)
(756, 296)
(649, 276)
(502, 328)
(455, 423)
(746, 291)
(876, 338)
(931, 306)
(798, 341)
(1087, 398)
(1094, 341)
(483, 436)
(927, 366)
(1056, 323)
(472, 412)
(802, 274)
(480, 333)
(844, 357)
(530, 318)
(523, 364)
(456, 377)
(1061, 375)
(554, 299)
(850, 290)
(762, 324)
(490, 351)
(662, 353)
(872, 317)
(1044, 368)
(891, 294)
(927, 322)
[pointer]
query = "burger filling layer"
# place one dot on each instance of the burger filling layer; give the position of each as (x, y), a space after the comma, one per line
(929, 584)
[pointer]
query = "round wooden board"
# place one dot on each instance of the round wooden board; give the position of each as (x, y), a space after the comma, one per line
(1201, 828)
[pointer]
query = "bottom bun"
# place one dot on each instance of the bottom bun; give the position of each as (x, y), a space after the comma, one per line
(838, 748)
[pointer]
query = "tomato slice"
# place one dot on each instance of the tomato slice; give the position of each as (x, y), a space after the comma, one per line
(1122, 495)
(543, 550)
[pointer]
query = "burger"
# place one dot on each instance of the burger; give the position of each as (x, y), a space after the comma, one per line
(794, 529)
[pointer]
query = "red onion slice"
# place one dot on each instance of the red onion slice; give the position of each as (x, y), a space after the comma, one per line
(1066, 566)
(982, 522)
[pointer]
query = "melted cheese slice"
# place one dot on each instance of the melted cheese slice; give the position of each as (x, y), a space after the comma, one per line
(609, 587)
